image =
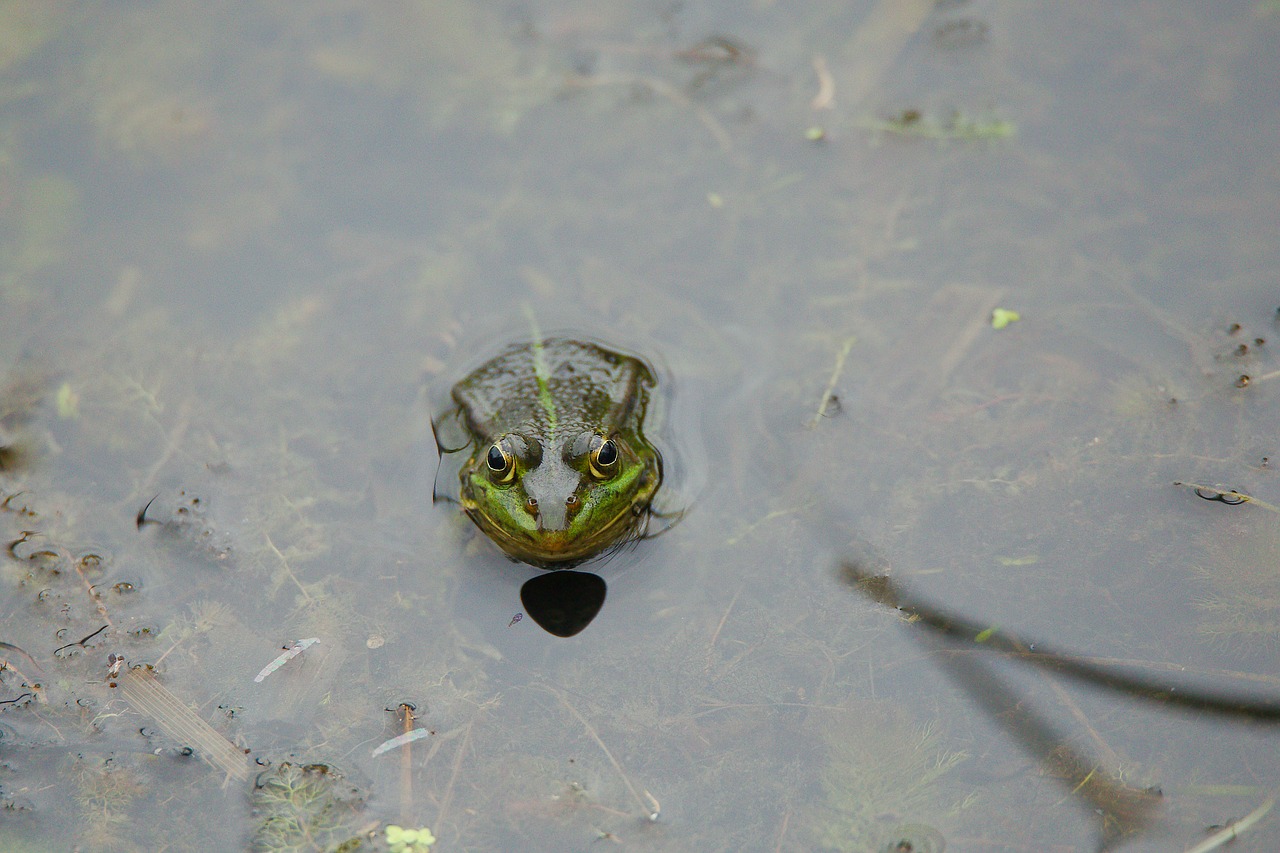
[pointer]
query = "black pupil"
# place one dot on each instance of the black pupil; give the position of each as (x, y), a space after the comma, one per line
(607, 454)
(497, 460)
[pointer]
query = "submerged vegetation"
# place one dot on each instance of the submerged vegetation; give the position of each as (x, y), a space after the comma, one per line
(955, 126)
(1240, 607)
(885, 780)
(306, 809)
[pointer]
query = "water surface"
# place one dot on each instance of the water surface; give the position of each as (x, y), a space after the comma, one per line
(244, 252)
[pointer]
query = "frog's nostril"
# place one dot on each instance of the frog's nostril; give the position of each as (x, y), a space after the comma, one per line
(531, 505)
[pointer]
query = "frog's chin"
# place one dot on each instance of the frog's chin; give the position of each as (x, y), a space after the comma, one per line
(560, 549)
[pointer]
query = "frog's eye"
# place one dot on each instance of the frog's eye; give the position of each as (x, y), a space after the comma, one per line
(603, 456)
(502, 465)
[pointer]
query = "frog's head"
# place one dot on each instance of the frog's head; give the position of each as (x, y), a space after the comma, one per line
(562, 501)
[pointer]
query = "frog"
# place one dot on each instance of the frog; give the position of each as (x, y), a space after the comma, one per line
(560, 470)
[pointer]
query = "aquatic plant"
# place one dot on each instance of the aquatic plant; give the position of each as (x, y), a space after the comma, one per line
(883, 776)
(1242, 605)
(401, 840)
(105, 791)
(304, 808)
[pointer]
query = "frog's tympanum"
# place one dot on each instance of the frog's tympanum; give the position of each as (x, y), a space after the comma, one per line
(560, 469)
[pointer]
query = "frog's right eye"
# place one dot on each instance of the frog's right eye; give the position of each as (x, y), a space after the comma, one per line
(502, 465)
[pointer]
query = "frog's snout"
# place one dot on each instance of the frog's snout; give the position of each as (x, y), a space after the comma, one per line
(553, 515)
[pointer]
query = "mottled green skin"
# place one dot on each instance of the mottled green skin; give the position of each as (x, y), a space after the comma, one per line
(544, 402)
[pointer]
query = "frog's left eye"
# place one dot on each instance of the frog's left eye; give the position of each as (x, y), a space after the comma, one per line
(603, 456)
(502, 464)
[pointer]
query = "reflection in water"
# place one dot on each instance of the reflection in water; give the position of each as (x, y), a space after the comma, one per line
(1126, 811)
(20, 397)
(915, 838)
(564, 602)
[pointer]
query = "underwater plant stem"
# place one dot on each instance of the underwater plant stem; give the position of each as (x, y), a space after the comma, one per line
(447, 799)
(288, 569)
(1109, 757)
(782, 830)
(672, 94)
(1232, 831)
(715, 635)
(406, 772)
(651, 809)
(89, 587)
(831, 383)
(173, 438)
(5, 663)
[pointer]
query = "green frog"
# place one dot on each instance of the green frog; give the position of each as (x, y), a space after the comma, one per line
(560, 469)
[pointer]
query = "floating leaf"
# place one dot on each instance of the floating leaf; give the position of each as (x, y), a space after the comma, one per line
(1001, 317)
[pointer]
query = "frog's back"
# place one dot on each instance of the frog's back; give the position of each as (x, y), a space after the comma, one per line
(585, 386)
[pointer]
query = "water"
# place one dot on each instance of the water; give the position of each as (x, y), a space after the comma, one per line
(243, 252)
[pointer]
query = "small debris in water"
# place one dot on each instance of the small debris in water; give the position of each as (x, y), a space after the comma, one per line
(68, 401)
(825, 408)
(1230, 498)
(400, 740)
(176, 719)
(289, 654)
(1001, 317)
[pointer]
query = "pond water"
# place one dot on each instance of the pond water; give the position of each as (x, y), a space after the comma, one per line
(245, 251)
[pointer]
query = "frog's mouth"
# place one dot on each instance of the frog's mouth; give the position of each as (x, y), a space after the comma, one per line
(561, 549)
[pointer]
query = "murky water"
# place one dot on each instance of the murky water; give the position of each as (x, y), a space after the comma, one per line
(244, 253)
